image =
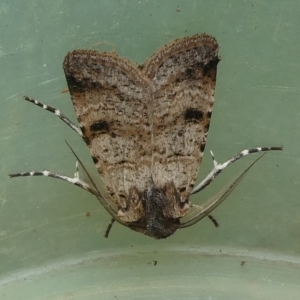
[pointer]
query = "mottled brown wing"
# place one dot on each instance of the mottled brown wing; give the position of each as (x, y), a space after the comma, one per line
(184, 77)
(110, 96)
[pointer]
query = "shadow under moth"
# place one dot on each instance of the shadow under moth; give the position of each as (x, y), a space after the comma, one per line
(146, 128)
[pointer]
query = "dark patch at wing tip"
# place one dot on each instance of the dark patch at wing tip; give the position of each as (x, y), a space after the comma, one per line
(211, 66)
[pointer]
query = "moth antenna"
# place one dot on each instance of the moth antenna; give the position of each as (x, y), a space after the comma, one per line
(201, 211)
(218, 168)
(57, 112)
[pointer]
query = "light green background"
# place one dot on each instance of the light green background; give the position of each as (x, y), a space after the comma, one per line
(49, 249)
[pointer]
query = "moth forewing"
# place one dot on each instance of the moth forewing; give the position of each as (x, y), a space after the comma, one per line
(110, 96)
(184, 76)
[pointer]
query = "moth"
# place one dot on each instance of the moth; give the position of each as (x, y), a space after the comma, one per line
(146, 129)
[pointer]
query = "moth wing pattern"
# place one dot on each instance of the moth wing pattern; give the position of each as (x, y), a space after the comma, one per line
(184, 76)
(110, 97)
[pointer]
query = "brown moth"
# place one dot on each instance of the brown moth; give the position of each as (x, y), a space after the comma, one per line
(146, 128)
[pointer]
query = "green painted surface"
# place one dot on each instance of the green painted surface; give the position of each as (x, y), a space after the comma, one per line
(49, 249)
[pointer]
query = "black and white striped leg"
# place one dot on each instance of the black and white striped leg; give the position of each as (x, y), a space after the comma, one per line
(76, 181)
(218, 168)
(56, 112)
(204, 210)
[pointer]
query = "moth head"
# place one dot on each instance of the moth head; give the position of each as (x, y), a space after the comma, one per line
(155, 211)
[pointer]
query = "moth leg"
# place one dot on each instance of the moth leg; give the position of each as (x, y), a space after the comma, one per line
(213, 220)
(107, 231)
(218, 168)
(76, 174)
(56, 112)
(76, 181)
(198, 212)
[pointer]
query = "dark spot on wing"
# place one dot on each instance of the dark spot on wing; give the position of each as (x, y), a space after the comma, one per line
(123, 197)
(183, 189)
(208, 114)
(87, 140)
(193, 114)
(206, 127)
(95, 159)
(101, 126)
(180, 132)
(202, 147)
(79, 83)
(121, 97)
(189, 72)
